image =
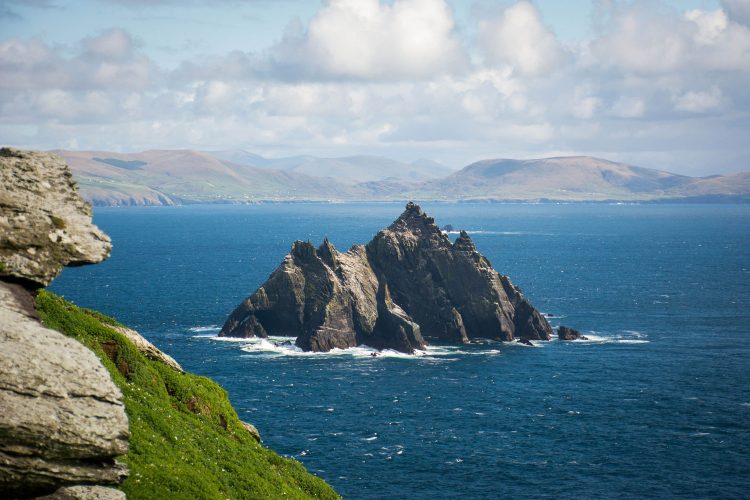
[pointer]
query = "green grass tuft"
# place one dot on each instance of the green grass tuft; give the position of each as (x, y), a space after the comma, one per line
(57, 222)
(186, 439)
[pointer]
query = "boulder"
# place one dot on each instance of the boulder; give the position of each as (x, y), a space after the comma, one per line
(565, 333)
(44, 223)
(409, 284)
(252, 430)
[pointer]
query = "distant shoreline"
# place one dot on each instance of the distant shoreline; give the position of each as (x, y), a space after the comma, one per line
(700, 200)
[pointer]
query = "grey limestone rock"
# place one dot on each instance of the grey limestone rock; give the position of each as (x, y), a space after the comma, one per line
(44, 223)
(252, 430)
(85, 493)
(147, 348)
(62, 420)
(408, 284)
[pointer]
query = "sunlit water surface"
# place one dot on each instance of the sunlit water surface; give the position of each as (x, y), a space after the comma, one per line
(656, 403)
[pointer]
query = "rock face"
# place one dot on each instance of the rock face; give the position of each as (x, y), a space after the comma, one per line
(408, 284)
(62, 421)
(44, 223)
(565, 333)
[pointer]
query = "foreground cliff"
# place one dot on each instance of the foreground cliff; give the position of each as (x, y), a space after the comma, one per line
(186, 440)
(62, 419)
(408, 284)
(88, 407)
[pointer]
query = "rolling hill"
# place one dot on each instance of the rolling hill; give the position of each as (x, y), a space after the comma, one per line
(576, 178)
(182, 176)
(163, 177)
(349, 169)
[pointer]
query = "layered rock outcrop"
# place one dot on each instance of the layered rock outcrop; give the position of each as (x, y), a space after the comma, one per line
(44, 223)
(408, 284)
(62, 420)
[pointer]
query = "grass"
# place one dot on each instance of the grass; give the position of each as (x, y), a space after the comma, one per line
(57, 222)
(186, 439)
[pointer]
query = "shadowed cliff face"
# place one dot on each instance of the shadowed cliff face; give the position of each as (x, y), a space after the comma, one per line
(407, 284)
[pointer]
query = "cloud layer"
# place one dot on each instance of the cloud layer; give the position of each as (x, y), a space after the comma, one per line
(653, 86)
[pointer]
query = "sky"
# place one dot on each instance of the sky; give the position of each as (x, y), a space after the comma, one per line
(656, 83)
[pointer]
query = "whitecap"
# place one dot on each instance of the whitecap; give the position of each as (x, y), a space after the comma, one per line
(215, 336)
(553, 316)
(284, 346)
(201, 329)
(626, 337)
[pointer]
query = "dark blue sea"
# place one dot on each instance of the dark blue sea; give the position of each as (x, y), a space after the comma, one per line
(655, 404)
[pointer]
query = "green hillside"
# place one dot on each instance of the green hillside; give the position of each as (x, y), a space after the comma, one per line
(186, 439)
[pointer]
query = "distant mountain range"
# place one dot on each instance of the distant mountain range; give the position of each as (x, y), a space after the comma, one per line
(168, 177)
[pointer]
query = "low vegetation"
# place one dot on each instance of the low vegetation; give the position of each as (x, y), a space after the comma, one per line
(186, 439)
(57, 222)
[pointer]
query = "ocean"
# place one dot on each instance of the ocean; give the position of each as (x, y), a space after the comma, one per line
(655, 404)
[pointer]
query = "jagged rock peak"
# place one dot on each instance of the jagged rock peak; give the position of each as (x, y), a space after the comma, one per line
(328, 253)
(464, 243)
(303, 250)
(44, 222)
(415, 220)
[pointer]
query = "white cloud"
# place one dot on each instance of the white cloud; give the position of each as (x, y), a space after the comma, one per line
(699, 101)
(366, 39)
(108, 61)
(629, 107)
(585, 105)
(393, 78)
(647, 41)
(112, 44)
(710, 24)
(519, 38)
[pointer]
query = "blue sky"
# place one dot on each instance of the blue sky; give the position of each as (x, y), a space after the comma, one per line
(656, 83)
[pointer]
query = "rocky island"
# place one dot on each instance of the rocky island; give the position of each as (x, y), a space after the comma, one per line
(410, 284)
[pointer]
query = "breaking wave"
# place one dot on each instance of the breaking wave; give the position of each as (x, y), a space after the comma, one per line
(205, 329)
(623, 337)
